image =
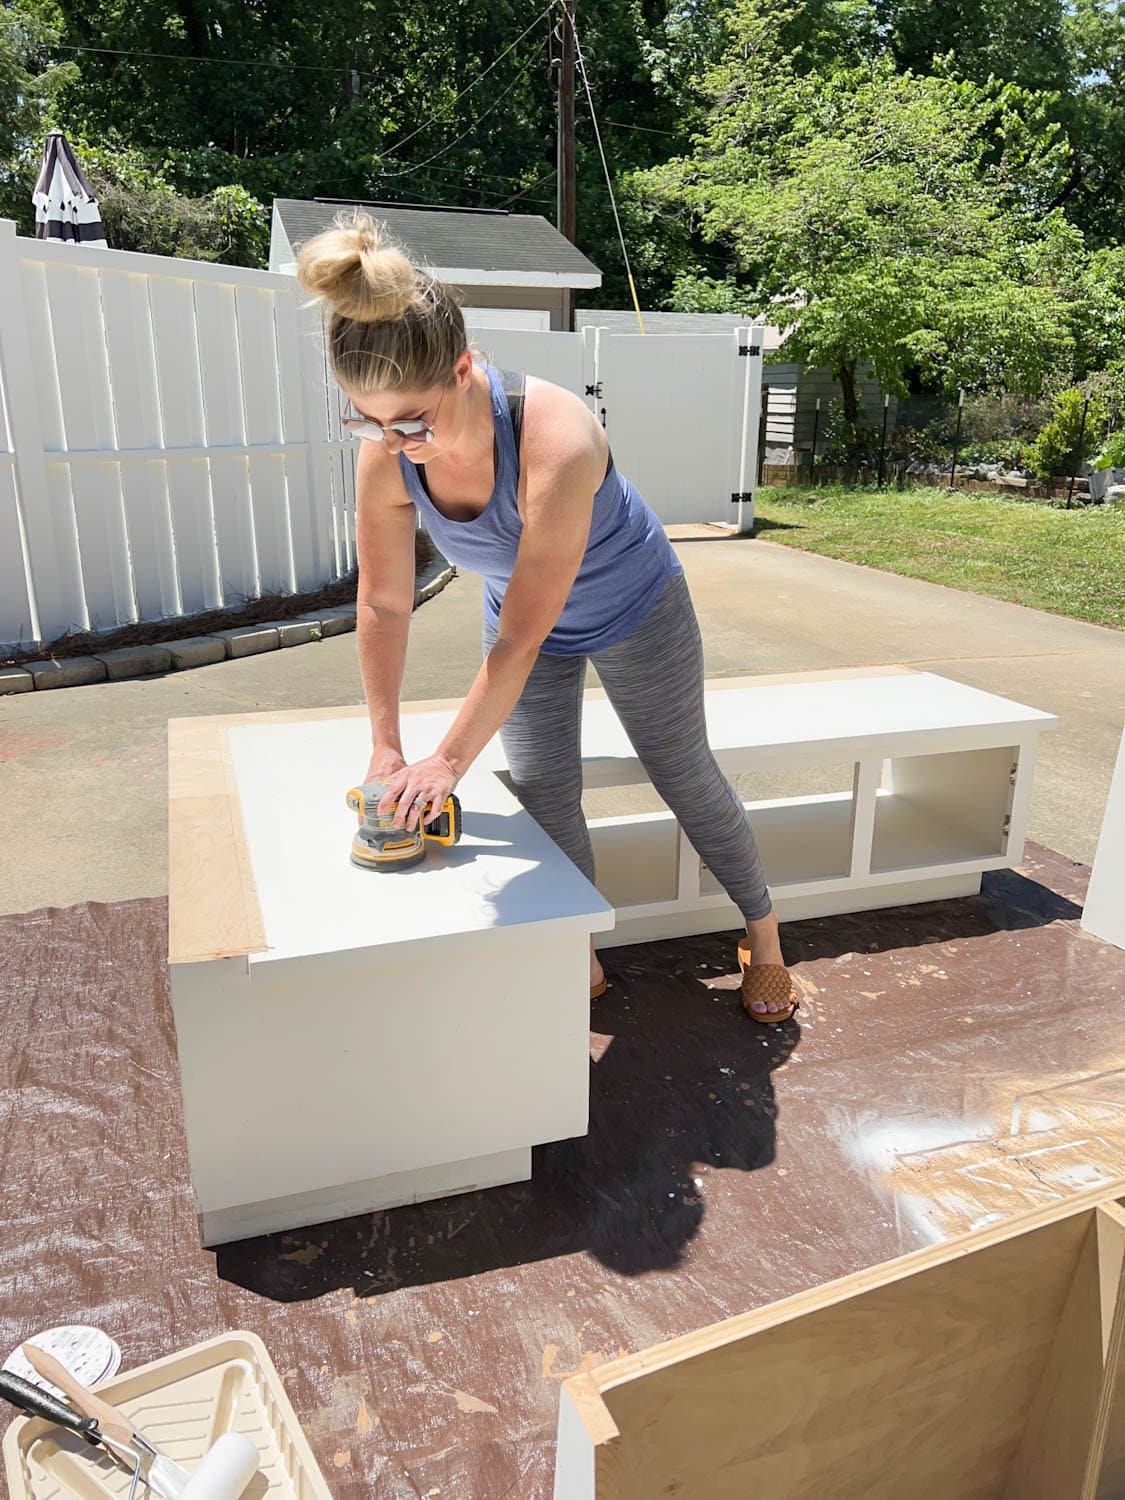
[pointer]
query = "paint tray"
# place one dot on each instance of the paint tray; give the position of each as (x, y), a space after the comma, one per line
(181, 1404)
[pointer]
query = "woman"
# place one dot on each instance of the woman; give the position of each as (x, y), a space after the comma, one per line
(576, 567)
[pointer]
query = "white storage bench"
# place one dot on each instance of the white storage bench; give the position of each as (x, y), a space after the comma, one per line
(351, 1040)
(939, 785)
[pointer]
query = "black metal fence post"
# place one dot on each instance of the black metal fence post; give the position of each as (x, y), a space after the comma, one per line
(883, 441)
(1078, 450)
(815, 426)
(957, 437)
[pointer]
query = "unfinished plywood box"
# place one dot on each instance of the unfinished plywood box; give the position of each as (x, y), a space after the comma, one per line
(987, 1368)
(351, 1040)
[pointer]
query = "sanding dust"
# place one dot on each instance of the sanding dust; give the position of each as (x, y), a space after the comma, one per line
(306, 1254)
(468, 1403)
(1064, 1140)
(341, 1457)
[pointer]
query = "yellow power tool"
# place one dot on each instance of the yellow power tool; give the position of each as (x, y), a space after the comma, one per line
(377, 845)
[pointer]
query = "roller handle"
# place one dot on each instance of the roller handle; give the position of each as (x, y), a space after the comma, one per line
(40, 1403)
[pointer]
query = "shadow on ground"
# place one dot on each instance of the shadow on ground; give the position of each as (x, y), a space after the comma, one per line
(681, 1079)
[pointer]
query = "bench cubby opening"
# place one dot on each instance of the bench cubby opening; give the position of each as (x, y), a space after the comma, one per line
(943, 809)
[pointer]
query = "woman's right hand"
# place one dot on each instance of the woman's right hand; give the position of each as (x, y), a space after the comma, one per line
(384, 764)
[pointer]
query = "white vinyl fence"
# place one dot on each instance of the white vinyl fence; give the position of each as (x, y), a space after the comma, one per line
(169, 444)
(170, 438)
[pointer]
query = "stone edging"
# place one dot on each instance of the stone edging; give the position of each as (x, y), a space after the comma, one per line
(193, 651)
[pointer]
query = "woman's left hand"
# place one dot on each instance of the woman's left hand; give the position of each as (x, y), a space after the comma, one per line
(424, 783)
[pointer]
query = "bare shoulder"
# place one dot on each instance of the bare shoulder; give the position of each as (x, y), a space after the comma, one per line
(558, 428)
(379, 480)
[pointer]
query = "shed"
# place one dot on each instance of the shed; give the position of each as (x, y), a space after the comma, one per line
(791, 388)
(510, 269)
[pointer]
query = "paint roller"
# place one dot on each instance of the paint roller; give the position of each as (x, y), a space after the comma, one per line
(222, 1474)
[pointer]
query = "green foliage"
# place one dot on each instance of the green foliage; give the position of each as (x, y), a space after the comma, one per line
(920, 182)
(1112, 455)
(847, 443)
(709, 294)
(1062, 446)
(1035, 554)
(903, 217)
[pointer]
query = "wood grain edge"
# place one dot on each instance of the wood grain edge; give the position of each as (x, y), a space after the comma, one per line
(213, 907)
(716, 1335)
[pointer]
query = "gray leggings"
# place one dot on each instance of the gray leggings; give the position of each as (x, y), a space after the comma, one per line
(654, 679)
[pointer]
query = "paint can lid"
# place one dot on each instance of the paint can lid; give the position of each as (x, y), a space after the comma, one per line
(89, 1354)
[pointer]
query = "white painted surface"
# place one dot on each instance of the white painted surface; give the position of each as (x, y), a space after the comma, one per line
(505, 873)
(535, 318)
(674, 417)
(300, 1079)
(562, 358)
(404, 1021)
(167, 449)
(574, 1454)
(406, 1034)
(1104, 912)
(778, 723)
(955, 764)
(246, 1221)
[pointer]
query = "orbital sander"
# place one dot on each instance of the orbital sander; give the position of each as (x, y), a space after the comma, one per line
(378, 845)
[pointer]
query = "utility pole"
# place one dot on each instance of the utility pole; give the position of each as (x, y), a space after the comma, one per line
(567, 208)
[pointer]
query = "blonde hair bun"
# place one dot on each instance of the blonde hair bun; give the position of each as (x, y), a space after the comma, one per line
(357, 269)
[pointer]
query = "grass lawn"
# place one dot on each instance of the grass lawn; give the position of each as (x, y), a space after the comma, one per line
(1071, 562)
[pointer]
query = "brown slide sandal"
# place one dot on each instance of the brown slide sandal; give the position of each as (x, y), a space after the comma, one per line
(766, 983)
(598, 989)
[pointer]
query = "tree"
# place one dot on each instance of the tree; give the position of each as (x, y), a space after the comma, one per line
(29, 83)
(900, 220)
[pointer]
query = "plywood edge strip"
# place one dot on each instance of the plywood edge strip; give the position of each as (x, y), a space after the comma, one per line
(1110, 1423)
(729, 1331)
(213, 908)
(590, 1409)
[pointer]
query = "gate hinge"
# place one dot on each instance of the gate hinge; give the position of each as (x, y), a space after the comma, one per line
(742, 495)
(748, 351)
(595, 390)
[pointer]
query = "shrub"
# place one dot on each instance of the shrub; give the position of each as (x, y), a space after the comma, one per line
(1055, 451)
(1112, 455)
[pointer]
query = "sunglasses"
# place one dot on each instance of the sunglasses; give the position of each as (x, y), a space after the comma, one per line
(374, 432)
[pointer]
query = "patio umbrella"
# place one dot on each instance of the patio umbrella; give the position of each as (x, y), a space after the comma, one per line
(65, 205)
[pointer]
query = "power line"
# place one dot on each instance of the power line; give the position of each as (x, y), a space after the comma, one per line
(434, 118)
(189, 57)
(605, 164)
(417, 165)
(647, 129)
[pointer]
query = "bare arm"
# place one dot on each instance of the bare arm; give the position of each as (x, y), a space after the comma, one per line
(385, 529)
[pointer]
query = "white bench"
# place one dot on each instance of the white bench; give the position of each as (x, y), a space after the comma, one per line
(938, 785)
(351, 1040)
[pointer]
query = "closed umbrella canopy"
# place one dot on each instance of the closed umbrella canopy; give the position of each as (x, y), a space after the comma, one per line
(65, 205)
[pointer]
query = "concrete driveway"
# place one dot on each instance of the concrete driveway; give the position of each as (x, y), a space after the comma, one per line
(83, 770)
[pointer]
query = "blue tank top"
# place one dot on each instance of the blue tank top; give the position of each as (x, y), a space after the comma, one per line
(627, 562)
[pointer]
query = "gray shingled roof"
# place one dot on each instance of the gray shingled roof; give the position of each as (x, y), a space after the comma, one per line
(449, 239)
(625, 321)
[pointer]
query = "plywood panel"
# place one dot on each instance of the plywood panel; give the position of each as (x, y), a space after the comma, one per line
(918, 1388)
(1054, 1451)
